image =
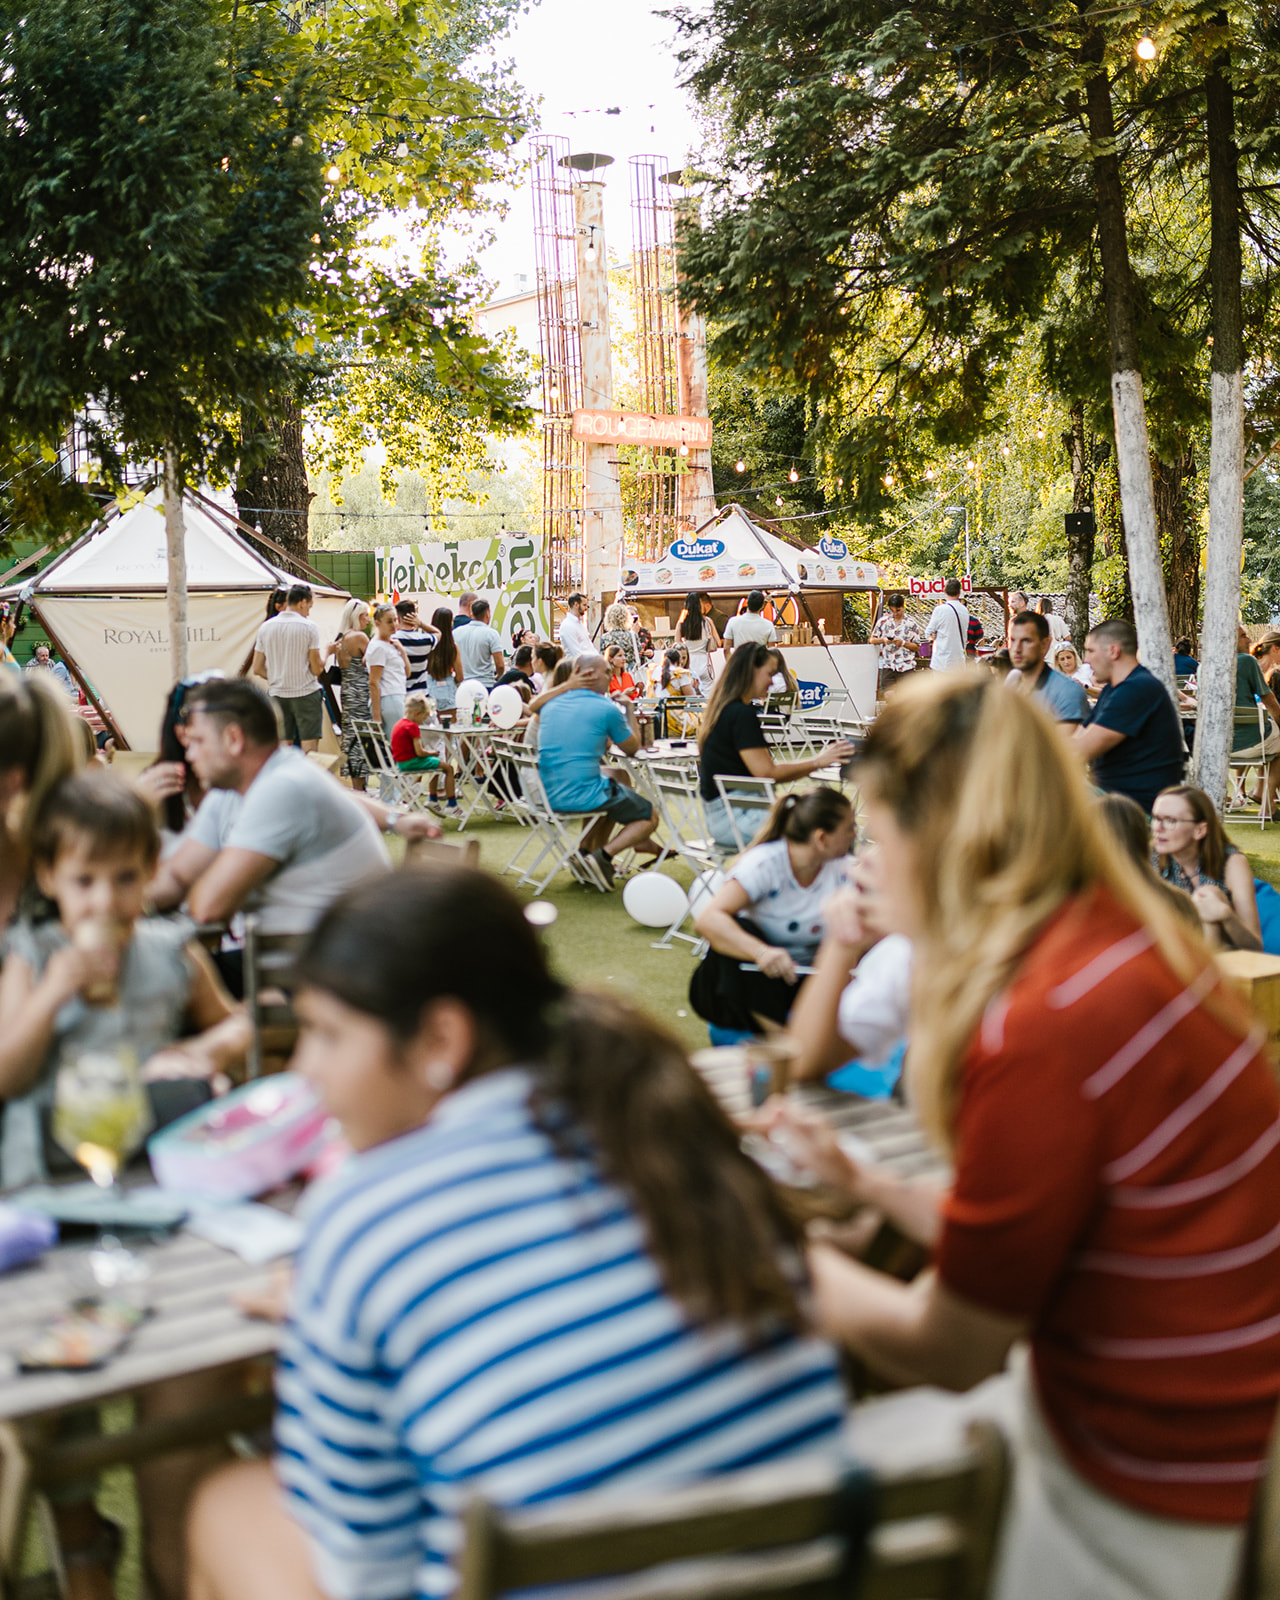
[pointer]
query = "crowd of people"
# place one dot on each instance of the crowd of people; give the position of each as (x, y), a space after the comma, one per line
(549, 1265)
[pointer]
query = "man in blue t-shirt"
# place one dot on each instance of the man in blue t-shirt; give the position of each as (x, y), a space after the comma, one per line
(1134, 740)
(1062, 697)
(574, 732)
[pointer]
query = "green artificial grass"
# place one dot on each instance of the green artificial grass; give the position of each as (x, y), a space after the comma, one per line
(594, 943)
(1261, 845)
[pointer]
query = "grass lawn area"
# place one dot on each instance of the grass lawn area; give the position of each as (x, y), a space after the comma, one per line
(594, 942)
(1261, 845)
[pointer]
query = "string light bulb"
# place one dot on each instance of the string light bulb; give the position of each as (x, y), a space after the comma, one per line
(590, 252)
(928, 473)
(333, 174)
(684, 449)
(739, 466)
(1004, 449)
(1039, 433)
(888, 480)
(794, 475)
(1145, 49)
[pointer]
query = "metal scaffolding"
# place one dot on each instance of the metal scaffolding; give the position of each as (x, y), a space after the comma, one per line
(560, 339)
(653, 267)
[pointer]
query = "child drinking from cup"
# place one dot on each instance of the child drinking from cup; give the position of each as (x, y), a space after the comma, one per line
(100, 982)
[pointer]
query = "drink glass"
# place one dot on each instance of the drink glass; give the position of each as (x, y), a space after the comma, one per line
(100, 1117)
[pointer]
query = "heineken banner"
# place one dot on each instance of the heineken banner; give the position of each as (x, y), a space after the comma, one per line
(507, 571)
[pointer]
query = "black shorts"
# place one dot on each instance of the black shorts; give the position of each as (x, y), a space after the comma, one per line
(625, 805)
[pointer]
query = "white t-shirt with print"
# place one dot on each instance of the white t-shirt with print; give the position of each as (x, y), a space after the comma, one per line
(787, 914)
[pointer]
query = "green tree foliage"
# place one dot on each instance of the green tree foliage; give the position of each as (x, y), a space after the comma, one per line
(162, 211)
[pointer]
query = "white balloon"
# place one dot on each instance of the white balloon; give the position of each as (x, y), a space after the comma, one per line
(505, 706)
(705, 887)
(471, 692)
(654, 900)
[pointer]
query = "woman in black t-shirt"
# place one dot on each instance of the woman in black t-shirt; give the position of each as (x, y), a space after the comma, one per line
(733, 744)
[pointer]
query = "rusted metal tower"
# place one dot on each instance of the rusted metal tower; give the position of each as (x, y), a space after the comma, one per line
(653, 272)
(560, 337)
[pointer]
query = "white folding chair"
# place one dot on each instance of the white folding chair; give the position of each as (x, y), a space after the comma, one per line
(753, 796)
(395, 786)
(560, 834)
(1240, 765)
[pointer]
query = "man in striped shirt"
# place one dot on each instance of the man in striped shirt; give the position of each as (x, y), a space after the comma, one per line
(287, 654)
(418, 644)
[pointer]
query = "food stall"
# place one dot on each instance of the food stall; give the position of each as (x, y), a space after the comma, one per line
(804, 591)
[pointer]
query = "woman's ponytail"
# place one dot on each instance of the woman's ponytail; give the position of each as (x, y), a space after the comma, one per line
(799, 816)
(717, 1226)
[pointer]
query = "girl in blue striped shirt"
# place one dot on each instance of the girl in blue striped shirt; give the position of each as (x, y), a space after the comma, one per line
(548, 1269)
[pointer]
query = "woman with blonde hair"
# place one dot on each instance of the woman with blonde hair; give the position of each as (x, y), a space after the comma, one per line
(1114, 1126)
(348, 650)
(617, 631)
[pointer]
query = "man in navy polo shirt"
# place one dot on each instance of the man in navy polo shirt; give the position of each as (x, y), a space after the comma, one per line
(1134, 741)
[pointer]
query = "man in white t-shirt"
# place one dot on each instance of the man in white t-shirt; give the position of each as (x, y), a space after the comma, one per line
(749, 626)
(948, 628)
(480, 647)
(287, 654)
(575, 636)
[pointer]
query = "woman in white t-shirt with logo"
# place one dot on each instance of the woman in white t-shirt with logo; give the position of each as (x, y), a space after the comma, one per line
(768, 912)
(388, 670)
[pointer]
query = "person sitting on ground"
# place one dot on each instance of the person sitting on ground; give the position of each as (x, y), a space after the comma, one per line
(276, 833)
(732, 744)
(520, 672)
(413, 750)
(1134, 739)
(480, 647)
(750, 626)
(44, 660)
(768, 913)
(1062, 697)
(1130, 827)
(100, 975)
(287, 654)
(948, 628)
(388, 667)
(1111, 1114)
(898, 636)
(629, 1217)
(618, 633)
(416, 641)
(620, 680)
(1194, 854)
(1184, 663)
(575, 730)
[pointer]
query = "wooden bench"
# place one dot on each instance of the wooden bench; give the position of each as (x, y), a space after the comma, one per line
(930, 1534)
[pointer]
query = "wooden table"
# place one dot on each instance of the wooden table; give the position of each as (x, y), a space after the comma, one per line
(193, 1329)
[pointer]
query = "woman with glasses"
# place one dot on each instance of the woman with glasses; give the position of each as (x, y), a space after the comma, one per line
(1195, 854)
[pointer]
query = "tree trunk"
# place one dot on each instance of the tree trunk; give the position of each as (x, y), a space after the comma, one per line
(176, 542)
(275, 495)
(1133, 458)
(1216, 679)
(1179, 543)
(1082, 526)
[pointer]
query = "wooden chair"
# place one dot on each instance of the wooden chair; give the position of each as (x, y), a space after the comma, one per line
(268, 970)
(442, 853)
(772, 1531)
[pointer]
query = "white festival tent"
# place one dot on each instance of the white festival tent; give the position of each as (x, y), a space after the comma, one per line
(731, 553)
(102, 602)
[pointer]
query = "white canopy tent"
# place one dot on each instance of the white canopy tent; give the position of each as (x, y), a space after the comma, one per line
(102, 602)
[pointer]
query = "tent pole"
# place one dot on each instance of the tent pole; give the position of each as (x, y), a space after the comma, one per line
(108, 721)
(175, 540)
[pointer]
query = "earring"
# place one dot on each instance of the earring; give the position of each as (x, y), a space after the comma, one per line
(440, 1075)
